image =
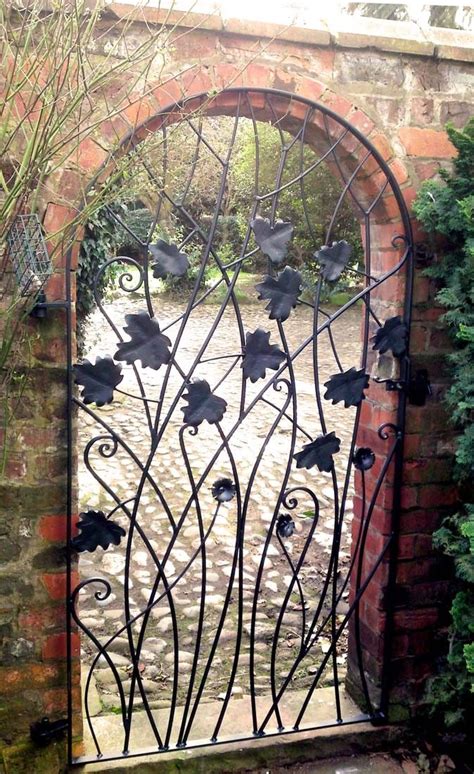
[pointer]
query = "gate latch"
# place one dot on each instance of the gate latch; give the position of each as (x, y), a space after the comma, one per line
(45, 731)
(418, 388)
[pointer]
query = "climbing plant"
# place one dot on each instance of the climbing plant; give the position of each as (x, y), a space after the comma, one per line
(446, 210)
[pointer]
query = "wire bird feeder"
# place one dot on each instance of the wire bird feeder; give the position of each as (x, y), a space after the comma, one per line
(28, 254)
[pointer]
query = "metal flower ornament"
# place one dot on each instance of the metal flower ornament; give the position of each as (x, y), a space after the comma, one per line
(363, 458)
(285, 525)
(223, 490)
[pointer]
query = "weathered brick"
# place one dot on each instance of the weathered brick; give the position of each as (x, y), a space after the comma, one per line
(426, 143)
(55, 646)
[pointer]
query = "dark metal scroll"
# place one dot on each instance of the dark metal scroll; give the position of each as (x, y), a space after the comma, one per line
(210, 405)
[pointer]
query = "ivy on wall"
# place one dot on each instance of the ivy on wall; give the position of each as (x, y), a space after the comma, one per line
(446, 210)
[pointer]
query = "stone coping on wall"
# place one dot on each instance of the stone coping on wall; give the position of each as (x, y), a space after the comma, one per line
(346, 32)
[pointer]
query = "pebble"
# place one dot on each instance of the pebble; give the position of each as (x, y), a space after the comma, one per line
(141, 558)
(192, 611)
(183, 656)
(155, 644)
(180, 556)
(113, 563)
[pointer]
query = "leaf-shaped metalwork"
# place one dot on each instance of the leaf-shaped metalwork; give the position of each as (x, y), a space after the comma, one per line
(285, 525)
(272, 241)
(260, 355)
(391, 336)
(202, 404)
(223, 490)
(96, 530)
(98, 379)
(363, 458)
(319, 452)
(348, 386)
(167, 259)
(333, 259)
(282, 293)
(147, 343)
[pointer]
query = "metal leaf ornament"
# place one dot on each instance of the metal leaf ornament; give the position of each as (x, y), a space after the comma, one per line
(260, 355)
(167, 259)
(282, 293)
(223, 490)
(272, 240)
(319, 452)
(348, 386)
(98, 379)
(285, 525)
(391, 336)
(96, 530)
(333, 259)
(147, 343)
(202, 404)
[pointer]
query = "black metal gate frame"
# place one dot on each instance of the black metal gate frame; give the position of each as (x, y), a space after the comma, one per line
(286, 498)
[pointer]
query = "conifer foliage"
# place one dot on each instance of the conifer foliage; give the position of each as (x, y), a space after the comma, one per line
(446, 209)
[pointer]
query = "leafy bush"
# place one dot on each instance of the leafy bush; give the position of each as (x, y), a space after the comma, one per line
(446, 209)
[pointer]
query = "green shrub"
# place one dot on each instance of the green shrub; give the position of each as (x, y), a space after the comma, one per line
(446, 209)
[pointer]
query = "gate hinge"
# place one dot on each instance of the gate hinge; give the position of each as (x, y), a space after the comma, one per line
(45, 731)
(417, 390)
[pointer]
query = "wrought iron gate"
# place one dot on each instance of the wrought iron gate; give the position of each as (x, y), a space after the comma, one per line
(220, 444)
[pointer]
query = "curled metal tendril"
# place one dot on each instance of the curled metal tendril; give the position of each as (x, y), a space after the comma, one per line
(125, 277)
(399, 238)
(292, 502)
(383, 433)
(101, 596)
(106, 449)
(190, 428)
(280, 383)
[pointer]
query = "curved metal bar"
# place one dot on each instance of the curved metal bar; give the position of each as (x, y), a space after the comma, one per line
(280, 496)
(118, 439)
(126, 276)
(237, 559)
(202, 605)
(103, 652)
(292, 504)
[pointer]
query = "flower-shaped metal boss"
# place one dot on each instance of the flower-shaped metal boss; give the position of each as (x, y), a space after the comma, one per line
(363, 458)
(223, 490)
(285, 525)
